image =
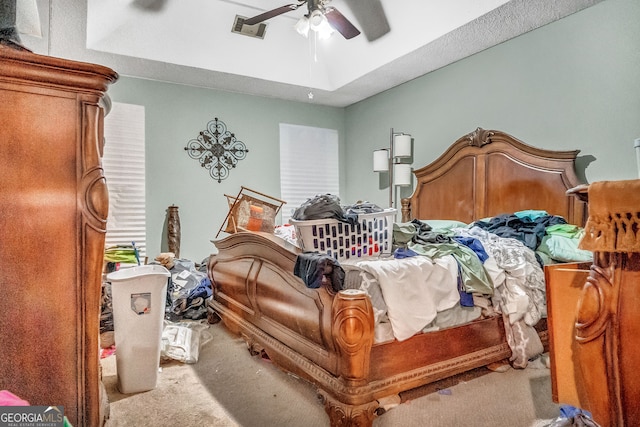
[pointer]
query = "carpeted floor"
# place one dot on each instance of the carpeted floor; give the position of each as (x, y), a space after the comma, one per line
(229, 387)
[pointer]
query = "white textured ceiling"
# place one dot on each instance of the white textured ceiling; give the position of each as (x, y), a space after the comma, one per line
(190, 42)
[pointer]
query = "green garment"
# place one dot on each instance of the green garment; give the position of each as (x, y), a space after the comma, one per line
(561, 244)
(403, 232)
(125, 254)
(474, 276)
(566, 230)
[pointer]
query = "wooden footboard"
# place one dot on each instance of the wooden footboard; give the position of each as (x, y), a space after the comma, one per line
(256, 295)
(327, 338)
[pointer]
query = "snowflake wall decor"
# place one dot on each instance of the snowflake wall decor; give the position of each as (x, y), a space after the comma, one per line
(217, 149)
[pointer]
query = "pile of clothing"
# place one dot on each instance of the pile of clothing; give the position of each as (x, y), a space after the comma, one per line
(189, 288)
(327, 206)
(187, 294)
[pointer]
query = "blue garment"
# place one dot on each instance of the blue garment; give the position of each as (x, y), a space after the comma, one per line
(474, 244)
(568, 411)
(404, 253)
(466, 299)
(203, 290)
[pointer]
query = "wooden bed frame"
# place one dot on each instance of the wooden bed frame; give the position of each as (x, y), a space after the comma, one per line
(327, 338)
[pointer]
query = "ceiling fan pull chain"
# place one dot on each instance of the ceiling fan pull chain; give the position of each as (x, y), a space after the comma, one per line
(315, 47)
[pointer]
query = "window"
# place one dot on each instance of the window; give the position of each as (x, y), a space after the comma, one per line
(308, 165)
(124, 169)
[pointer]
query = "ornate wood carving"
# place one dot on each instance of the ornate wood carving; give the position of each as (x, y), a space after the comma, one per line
(341, 415)
(94, 208)
(353, 334)
(606, 324)
(494, 173)
(54, 201)
(607, 321)
(479, 137)
(405, 209)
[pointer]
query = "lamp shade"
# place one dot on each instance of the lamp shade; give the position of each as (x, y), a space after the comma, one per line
(302, 26)
(381, 160)
(316, 19)
(402, 174)
(402, 145)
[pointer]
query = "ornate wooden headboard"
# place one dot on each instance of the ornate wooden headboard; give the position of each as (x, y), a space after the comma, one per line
(489, 172)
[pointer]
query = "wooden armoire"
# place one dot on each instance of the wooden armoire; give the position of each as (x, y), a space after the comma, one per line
(53, 210)
(593, 314)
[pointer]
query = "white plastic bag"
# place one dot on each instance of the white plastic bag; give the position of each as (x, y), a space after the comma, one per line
(182, 340)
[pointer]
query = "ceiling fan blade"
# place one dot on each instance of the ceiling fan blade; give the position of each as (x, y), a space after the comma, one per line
(272, 13)
(371, 17)
(340, 23)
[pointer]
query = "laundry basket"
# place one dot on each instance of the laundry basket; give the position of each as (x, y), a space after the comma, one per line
(138, 297)
(370, 236)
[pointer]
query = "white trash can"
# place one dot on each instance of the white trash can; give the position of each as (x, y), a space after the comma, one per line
(138, 297)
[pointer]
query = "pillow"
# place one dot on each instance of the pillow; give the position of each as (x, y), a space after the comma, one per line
(443, 224)
(564, 249)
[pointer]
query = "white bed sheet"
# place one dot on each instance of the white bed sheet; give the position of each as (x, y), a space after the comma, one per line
(415, 289)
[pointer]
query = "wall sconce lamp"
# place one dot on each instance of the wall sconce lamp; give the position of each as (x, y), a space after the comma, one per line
(394, 161)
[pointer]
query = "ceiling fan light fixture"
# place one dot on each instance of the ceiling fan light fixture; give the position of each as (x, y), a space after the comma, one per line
(316, 19)
(302, 26)
(321, 19)
(318, 22)
(325, 30)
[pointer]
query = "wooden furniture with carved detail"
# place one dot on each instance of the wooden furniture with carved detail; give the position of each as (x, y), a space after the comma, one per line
(594, 342)
(564, 284)
(53, 210)
(327, 338)
(488, 173)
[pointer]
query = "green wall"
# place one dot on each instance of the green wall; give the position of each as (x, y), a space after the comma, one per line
(573, 84)
(175, 114)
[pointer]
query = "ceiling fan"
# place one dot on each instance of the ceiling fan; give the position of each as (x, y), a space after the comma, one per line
(319, 15)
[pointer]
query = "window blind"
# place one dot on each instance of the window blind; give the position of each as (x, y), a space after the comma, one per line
(308, 165)
(124, 169)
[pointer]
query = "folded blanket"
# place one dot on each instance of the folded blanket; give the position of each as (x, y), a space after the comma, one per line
(614, 217)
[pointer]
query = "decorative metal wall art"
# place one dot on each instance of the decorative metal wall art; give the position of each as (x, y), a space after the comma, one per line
(217, 149)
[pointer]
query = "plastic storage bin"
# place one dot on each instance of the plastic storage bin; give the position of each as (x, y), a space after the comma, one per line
(371, 236)
(139, 296)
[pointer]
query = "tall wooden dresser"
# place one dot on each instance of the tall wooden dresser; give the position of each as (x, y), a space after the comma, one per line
(594, 315)
(53, 210)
